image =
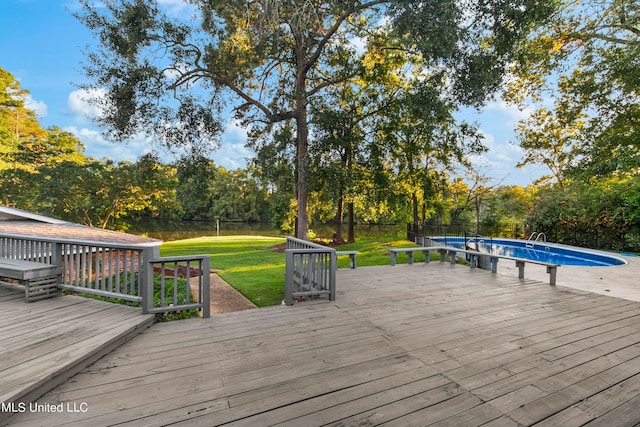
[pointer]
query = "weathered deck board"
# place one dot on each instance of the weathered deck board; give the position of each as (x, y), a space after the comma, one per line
(43, 343)
(401, 346)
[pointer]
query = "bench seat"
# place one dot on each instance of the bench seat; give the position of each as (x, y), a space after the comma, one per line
(552, 268)
(426, 250)
(352, 257)
(40, 280)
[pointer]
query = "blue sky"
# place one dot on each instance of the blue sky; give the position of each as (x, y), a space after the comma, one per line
(42, 45)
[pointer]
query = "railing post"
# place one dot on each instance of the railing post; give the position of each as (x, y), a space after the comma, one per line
(206, 287)
(332, 275)
(148, 254)
(288, 277)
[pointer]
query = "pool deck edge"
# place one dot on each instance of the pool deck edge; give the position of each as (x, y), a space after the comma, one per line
(620, 281)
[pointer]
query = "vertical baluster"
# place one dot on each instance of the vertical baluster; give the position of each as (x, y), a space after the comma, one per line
(188, 290)
(125, 284)
(109, 268)
(118, 255)
(321, 270)
(65, 263)
(90, 269)
(97, 269)
(83, 266)
(162, 284)
(132, 272)
(140, 272)
(78, 267)
(200, 295)
(103, 268)
(176, 266)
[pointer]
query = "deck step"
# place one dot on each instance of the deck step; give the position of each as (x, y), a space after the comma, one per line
(45, 343)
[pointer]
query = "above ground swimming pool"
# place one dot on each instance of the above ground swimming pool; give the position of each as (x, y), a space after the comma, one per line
(539, 251)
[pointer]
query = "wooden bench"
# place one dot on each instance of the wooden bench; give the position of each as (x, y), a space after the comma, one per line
(40, 280)
(552, 269)
(352, 257)
(426, 250)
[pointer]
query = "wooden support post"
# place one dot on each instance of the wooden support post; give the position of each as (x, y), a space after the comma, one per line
(206, 287)
(452, 257)
(288, 280)
(443, 254)
(520, 265)
(427, 256)
(148, 255)
(494, 264)
(393, 258)
(473, 260)
(333, 268)
(552, 270)
(410, 257)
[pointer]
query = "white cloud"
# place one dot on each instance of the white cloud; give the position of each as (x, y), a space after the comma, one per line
(80, 106)
(511, 112)
(40, 107)
(233, 153)
(500, 162)
(176, 7)
(98, 147)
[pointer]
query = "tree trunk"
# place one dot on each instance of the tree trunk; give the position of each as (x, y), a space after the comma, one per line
(351, 238)
(302, 231)
(338, 237)
(302, 143)
(414, 202)
(477, 215)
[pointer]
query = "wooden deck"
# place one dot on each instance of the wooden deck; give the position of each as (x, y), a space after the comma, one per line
(401, 346)
(44, 343)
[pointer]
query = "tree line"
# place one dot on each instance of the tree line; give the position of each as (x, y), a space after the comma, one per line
(350, 109)
(46, 171)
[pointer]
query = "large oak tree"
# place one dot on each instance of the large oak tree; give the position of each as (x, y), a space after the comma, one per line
(176, 76)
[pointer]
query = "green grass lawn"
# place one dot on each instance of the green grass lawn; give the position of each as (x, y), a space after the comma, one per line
(255, 265)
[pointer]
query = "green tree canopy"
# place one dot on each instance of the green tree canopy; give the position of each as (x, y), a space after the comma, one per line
(26, 147)
(588, 61)
(268, 59)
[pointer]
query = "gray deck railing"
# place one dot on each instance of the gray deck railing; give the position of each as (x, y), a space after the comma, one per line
(191, 269)
(120, 271)
(27, 250)
(310, 270)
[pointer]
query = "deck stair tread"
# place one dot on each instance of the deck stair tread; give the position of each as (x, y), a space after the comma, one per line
(44, 343)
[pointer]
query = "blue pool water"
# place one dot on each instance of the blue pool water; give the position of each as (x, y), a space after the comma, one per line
(540, 251)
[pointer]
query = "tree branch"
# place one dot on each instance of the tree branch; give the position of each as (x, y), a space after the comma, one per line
(336, 26)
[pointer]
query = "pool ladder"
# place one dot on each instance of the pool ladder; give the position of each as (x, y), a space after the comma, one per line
(535, 237)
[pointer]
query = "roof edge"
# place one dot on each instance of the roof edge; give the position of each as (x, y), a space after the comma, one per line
(8, 213)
